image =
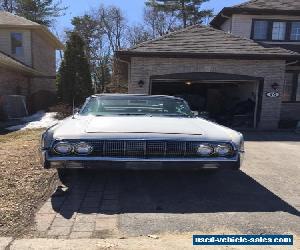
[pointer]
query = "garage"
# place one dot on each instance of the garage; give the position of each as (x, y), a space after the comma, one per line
(231, 100)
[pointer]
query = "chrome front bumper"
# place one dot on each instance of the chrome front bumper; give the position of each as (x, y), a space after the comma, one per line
(138, 163)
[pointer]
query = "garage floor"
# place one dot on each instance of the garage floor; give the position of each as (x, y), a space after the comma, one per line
(263, 198)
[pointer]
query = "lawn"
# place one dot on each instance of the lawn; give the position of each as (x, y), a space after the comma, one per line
(24, 184)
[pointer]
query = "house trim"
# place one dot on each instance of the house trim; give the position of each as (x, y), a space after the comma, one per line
(125, 55)
(229, 11)
(38, 28)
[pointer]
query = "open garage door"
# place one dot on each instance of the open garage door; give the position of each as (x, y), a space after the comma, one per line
(231, 100)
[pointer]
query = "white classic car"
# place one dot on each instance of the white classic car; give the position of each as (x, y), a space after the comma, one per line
(140, 132)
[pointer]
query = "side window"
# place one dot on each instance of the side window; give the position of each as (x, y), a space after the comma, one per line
(295, 31)
(279, 31)
(260, 30)
(17, 48)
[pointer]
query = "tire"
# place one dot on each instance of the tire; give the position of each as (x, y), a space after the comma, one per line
(237, 165)
(65, 175)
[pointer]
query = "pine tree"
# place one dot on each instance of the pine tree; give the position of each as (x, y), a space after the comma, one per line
(8, 5)
(74, 78)
(39, 11)
(188, 11)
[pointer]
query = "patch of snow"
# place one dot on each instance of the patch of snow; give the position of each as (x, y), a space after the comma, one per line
(35, 121)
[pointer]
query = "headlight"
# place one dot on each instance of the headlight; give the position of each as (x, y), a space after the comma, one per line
(223, 150)
(83, 148)
(205, 150)
(63, 148)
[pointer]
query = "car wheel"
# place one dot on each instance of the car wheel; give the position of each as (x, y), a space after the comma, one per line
(237, 165)
(65, 175)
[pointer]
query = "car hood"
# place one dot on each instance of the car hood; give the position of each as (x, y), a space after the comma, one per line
(160, 125)
(141, 127)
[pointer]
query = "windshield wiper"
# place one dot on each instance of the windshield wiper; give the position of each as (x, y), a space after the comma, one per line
(125, 114)
(177, 115)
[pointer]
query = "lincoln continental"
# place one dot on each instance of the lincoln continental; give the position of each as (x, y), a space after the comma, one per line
(140, 132)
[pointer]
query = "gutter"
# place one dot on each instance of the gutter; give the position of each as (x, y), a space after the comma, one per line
(222, 15)
(22, 69)
(208, 55)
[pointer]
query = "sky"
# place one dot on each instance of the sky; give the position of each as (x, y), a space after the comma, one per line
(133, 9)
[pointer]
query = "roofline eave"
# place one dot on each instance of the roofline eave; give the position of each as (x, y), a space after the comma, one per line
(219, 19)
(126, 55)
(23, 70)
(51, 37)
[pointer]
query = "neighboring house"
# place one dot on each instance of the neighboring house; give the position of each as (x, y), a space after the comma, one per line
(275, 23)
(223, 71)
(27, 60)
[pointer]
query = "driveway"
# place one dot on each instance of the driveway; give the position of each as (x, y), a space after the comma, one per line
(262, 198)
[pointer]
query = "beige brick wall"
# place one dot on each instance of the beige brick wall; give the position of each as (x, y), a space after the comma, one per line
(271, 71)
(12, 81)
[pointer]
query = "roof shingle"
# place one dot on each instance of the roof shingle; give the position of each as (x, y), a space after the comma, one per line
(9, 19)
(203, 40)
(258, 7)
(271, 4)
(14, 64)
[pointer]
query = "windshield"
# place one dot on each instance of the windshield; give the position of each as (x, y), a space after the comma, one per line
(136, 106)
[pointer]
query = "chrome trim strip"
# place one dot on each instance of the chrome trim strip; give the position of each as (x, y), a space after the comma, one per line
(217, 159)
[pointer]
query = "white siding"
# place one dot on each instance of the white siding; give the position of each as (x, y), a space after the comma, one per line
(226, 26)
(5, 44)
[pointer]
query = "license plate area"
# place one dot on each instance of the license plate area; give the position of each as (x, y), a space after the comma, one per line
(144, 165)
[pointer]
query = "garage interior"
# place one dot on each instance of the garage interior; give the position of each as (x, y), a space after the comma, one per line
(230, 100)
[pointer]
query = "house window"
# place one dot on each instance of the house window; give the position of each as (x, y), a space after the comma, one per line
(295, 31)
(260, 31)
(279, 31)
(17, 48)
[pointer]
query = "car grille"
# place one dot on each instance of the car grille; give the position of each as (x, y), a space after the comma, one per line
(142, 149)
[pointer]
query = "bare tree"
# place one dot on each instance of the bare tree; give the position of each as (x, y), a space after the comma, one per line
(114, 25)
(137, 34)
(159, 22)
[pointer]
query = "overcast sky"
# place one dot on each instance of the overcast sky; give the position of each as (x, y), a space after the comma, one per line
(133, 9)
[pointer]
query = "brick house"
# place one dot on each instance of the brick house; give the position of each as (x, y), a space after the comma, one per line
(274, 23)
(27, 60)
(249, 54)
